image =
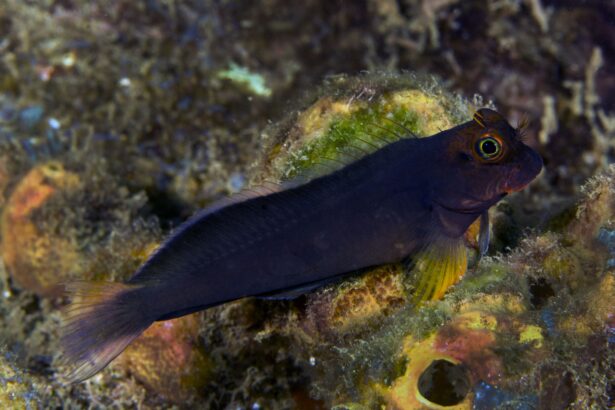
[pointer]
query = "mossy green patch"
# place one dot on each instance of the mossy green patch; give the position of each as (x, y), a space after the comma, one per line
(486, 276)
(357, 128)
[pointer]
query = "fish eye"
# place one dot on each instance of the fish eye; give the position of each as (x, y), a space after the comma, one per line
(488, 148)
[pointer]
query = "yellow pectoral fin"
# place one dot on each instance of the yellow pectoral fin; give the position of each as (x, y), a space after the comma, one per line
(437, 268)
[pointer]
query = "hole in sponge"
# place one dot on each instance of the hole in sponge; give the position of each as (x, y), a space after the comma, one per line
(540, 292)
(444, 383)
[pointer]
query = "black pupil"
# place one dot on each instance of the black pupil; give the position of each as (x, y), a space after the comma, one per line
(489, 147)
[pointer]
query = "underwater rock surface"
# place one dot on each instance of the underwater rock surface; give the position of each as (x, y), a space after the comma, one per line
(16, 390)
(119, 119)
(500, 337)
(49, 236)
(168, 360)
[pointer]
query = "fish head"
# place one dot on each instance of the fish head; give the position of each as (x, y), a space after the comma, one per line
(479, 163)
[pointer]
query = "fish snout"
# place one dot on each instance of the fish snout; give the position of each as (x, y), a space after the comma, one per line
(524, 171)
(535, 163)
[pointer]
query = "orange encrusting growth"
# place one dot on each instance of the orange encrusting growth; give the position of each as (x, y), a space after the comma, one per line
(168, 359)
(35, 257)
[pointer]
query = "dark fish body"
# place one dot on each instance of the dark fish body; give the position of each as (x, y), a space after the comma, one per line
(412, 196)
(359, 216)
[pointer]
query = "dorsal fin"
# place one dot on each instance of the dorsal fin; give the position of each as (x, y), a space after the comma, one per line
(344, 145)
(264, 188)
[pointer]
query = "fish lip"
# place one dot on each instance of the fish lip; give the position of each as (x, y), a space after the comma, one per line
(476, 210)
(510, 190)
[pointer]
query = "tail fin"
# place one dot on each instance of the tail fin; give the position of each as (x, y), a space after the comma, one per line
(102, 320)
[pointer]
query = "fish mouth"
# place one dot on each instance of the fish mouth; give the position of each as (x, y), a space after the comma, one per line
(522, 176)
(474, 210)
(511, 189)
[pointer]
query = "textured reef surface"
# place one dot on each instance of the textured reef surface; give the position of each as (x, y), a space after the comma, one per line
(118, 120)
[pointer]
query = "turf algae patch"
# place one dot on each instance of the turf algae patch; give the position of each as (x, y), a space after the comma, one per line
(167, 359)
(16, 389)
(62, 220)
(355, 115)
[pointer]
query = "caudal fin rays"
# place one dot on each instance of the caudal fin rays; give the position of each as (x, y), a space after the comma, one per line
(102, 320)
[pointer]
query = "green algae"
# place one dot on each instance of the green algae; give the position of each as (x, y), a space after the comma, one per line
(254, 82)
(362, 130)
(484, 278)
(352, 116)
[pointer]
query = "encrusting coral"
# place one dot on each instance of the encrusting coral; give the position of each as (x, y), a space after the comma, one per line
(35, 259)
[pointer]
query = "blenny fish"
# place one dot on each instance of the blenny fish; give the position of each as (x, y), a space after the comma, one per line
(414, 197)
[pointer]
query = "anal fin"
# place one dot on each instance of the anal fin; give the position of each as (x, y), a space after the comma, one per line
(295, 292)
(290, 294)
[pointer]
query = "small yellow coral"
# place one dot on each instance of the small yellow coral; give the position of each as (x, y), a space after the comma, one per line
(429, 109)
(478, 320)
(531, 334)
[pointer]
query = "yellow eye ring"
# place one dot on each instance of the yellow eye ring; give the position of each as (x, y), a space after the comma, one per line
(489, 148)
